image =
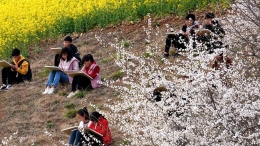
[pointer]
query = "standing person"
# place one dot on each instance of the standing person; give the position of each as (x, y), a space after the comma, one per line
(80, 82)
(68, 44)
(75, 135)
(99, 124)
(19, 71)
(179, 40)
(67, 63)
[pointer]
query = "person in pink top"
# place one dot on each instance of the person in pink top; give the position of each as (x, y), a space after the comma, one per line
(67, 63)
(82, 83)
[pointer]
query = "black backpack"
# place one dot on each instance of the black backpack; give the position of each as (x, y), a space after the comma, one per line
(28, 75)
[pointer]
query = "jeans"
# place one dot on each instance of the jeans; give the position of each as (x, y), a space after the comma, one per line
(56, 77)
(75, 137)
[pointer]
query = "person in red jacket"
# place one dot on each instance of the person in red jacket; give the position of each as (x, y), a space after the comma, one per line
(81, 82)
(100, 124)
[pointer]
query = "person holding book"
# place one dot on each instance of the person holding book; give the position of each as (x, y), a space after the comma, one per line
(19, 71)
(75, 135)
(179, 40)
(67, 63)
(212, 41)
(99, 124)
(68, 44)
(81, 82)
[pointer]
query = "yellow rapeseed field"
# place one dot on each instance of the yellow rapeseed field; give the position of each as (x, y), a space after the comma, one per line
(24, 22)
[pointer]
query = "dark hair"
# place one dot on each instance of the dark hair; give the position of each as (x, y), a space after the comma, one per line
(84, 113)
(66, 51)
(209, 15)
(87, 58)
(94, 116)
(68, 38)
(15, 52)
(192, 16)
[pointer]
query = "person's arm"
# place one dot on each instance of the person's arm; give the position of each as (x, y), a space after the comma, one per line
(75, 65)
(24, 68)
(95, 72)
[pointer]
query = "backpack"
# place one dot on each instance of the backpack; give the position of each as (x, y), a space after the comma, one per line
(28, 75)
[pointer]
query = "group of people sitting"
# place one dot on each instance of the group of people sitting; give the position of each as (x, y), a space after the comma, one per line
(96, 122)
(190, 33)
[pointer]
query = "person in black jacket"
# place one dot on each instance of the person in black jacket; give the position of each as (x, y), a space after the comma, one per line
(212, 41)
(178, 40)
(74, 50)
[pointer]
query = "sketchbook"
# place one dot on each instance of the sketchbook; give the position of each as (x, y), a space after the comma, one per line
(76, 73)
(56, 50)
(69, 129)
(171, 32)
(202, 32)
(54, 68)
(4, 63)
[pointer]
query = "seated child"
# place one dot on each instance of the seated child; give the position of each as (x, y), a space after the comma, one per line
(80, 82)
(19, 71)
(188, 29)
(67, 63)
(75, 135)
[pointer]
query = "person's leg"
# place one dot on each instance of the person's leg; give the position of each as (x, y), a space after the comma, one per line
(78, 137)
(168, 45)
(50, 79)
(4, 75)
(74, 83)
(72, 136)
(84, 83)
(59, 76)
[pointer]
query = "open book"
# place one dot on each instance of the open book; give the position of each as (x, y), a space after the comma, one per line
(75, 73)
(203, 32)
(56, 50)
(55, 68)
(69, 129)
(4, 63)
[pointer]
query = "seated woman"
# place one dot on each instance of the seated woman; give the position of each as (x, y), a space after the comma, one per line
(82, 83)
(67, 63)
(75, 135)
(99, 124)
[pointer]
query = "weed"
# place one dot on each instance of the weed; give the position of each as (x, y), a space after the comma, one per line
(70, 106)
(55, 102)
(117, 74)
(147, 55)
(71, 113)
(81, 94)
(49, 124)
(45, 72)
(62, 93)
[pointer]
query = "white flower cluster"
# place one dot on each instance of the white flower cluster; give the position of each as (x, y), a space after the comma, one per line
(208, 107)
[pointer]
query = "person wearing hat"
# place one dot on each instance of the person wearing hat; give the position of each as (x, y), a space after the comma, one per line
(19, 71)
(179, 40)
(212, 41)
(81, 82)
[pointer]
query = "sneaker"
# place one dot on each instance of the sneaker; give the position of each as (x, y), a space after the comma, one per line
(51, 90)
(8, 87)
(71, 94)
(46, 90)
(3, 87)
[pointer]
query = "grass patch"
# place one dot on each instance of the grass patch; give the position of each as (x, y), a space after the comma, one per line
(71, 113)
(81, 94)
(106, 60)
(147, 55)
(49, 124)
(117, 74)
(45, 72)
(55, 102)
(70, 106)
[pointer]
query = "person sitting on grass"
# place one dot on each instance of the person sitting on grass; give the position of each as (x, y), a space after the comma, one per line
(75, 135)
(212, 41)
(68, 44)
(179, 40)
(18, 72)
(99, 124)
(67, 63)
(81, 82)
